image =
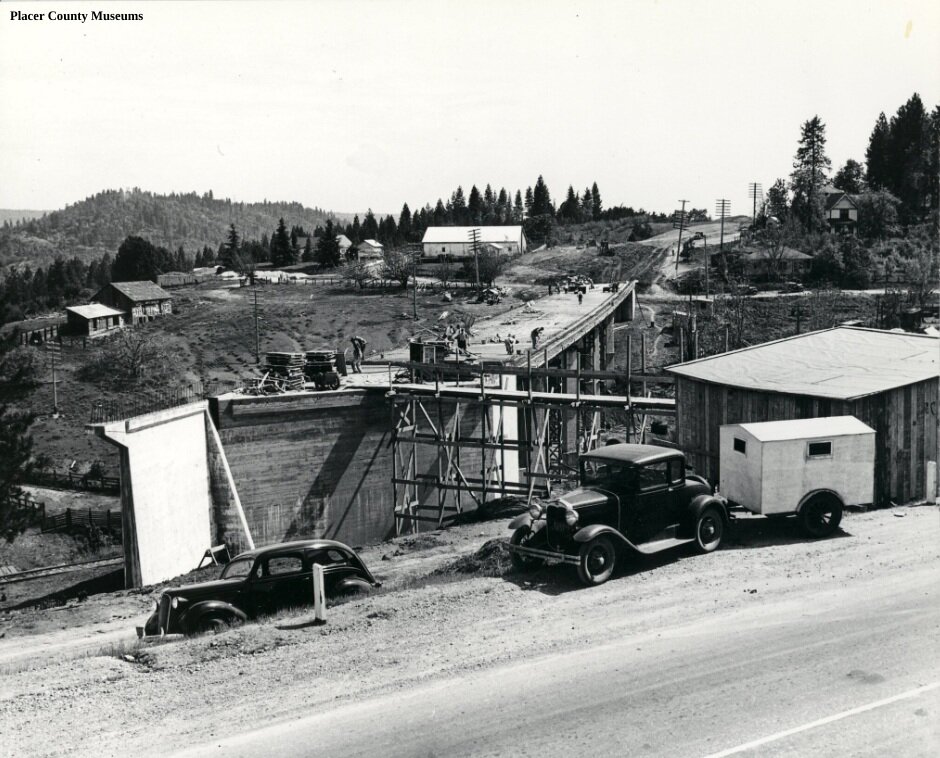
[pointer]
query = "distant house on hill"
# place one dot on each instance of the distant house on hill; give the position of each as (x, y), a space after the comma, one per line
(762, 263)
(142, 301)
(92, 320)
(344, 244)
(370, 250)
(841, 211)
(454, 241)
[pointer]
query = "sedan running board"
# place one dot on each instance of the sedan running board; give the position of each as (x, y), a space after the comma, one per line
(648, 548)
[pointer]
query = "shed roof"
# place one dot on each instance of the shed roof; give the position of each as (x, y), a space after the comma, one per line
(95, 310)
(806, 428)
(372, 243)
(842, 363)
(438, 234)
(140, 291)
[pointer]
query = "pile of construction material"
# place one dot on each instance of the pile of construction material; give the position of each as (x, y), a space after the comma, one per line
(286, 367)
(320, 368)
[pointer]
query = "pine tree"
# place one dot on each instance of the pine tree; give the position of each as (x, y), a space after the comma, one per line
(597, 208)
(777, 201)
(281, 252)
(231, 248)
(370, 227)
(541, 199)
(876, 156)
(503, 207)
(355, 235)
(404, 223)
(587, 205)
(529, 201)
(475, 207)
(328, 246)
(458, 206)
(908, 158)
(16, 462)
(810, 169)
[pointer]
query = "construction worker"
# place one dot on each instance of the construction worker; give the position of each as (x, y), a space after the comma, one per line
(462, 339)
(358, 353)
(536, 335)
(580, 297)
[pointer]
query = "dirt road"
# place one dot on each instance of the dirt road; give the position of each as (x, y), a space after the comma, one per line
(816, 645)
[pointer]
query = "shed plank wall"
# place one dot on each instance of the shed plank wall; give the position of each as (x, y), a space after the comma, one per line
(905, 420)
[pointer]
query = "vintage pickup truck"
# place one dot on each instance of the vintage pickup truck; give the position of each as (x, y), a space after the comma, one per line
(632, 497)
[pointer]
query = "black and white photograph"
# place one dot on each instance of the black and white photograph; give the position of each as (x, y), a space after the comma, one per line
(451, 379)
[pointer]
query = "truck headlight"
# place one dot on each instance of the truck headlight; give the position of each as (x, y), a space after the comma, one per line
(175, 603)
(535, 511)
(571, 517)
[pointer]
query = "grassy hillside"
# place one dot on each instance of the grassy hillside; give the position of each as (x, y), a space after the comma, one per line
(99, 224)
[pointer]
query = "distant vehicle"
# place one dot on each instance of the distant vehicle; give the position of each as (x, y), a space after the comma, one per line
(791, 287)
(259, 582)
(632, 498)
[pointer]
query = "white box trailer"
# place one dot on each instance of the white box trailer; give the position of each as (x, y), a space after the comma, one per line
(810, 467)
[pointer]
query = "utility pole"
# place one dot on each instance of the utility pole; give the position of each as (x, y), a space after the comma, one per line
(53, 347)
(681, 222)
(474, 235)
(414, 276)
(722, 209)
(755, 191)
(705, 248)
(254, 292)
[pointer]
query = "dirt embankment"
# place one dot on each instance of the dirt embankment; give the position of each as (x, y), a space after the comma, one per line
(425, 624)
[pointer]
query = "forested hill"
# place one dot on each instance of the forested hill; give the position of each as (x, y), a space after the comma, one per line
(99, 224)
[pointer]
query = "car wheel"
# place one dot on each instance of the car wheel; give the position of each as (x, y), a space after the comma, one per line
(213, 623)
(521, 536)
(821, 515)
(597, 561)
(709, 530)
(354, 587)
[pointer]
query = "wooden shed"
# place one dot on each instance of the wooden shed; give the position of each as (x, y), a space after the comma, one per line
(92, 320)
(888, 380)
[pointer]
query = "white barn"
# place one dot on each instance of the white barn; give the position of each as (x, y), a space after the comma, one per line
(454, 241)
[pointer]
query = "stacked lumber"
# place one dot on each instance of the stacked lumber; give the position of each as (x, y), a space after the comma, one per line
(319, 362)
(288, 367)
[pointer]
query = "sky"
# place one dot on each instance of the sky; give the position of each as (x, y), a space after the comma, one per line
(358, 104)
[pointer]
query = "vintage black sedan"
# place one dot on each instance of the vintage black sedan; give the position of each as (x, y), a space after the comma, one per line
(259, 582)
(632, 497)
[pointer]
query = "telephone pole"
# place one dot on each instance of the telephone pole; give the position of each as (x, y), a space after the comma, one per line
(474, 235)
(53, 347)
(681, 225)
(415, 253)
(722, 210)
(256, 299)
(754, 191)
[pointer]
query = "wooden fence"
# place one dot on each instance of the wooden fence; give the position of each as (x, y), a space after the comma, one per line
(82, 519)
(72, 481)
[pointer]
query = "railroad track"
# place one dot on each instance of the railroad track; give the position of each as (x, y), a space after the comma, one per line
(62, 568)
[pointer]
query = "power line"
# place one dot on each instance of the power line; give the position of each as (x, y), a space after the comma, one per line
(474, 235)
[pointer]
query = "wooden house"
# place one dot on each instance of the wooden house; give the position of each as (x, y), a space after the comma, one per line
(888, 380)
(453, 242)
(141, 301)
(93, 320)
(370, 250)
(841, 212)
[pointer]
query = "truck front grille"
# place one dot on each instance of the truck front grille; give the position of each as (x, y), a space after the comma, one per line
(163, 616)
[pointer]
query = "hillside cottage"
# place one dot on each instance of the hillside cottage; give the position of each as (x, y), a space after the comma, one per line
(841, 212)
(370, 250)
(141, 301)
(454, 241)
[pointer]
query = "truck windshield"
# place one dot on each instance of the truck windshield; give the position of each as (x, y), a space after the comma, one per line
(603, 473)
(237, 569)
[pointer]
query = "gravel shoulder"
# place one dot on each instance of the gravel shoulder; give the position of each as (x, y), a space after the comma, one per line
(429, 623)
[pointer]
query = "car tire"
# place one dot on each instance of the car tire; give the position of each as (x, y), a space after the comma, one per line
(213, 623)
(596, 561)
(354, 587)
(709, 530)
(522, 562)
(820, 516)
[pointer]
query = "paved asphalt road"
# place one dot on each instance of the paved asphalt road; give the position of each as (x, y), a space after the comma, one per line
(839, 673)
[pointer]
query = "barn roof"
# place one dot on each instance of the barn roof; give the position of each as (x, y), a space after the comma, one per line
(95, 310)
(843, 363)
(140, 291)
(496, 234)
(806, 428)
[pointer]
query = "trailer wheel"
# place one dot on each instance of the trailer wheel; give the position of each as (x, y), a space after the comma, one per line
(597, 561)
(709, 530)
(522, 562)
(821, 515)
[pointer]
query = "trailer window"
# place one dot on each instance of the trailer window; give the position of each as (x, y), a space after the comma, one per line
(740, 446)
(820, 449)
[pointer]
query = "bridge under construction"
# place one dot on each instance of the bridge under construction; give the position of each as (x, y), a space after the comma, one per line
(407, 445)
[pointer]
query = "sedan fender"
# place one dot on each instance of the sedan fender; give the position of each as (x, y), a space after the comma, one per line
(591, 531)
(522, 519)
(191, 618)
(699, 504)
